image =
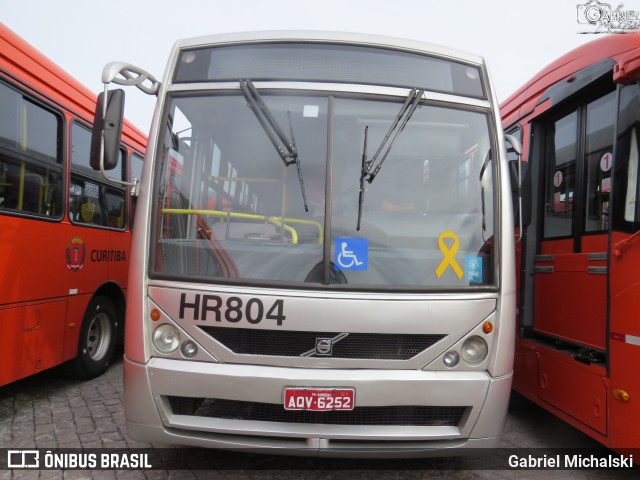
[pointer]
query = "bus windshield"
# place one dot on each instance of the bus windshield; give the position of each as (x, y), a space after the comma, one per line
(231, 209)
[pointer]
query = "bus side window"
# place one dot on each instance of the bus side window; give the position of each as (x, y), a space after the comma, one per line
(626, 210)
(91, 199)
(30, 156)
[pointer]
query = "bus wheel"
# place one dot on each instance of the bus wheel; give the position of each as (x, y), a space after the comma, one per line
(98, 339)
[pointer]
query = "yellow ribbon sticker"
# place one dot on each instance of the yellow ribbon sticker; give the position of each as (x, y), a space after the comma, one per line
(449, 254)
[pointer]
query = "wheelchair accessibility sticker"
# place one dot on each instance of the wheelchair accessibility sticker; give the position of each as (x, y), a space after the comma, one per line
(351, 253)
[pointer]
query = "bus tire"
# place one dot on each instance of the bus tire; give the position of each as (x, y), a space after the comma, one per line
(98, 339)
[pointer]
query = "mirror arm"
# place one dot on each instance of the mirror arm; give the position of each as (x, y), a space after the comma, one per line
(126, 74)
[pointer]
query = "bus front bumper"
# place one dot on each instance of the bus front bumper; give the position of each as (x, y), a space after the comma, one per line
(241, 407)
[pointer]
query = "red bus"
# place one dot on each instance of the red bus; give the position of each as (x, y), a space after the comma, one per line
(578, 347)
(64, 231)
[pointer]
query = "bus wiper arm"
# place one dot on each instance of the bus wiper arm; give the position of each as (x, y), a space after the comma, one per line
(298, 166)
(364, 169)
(404, 115)
(286, 148)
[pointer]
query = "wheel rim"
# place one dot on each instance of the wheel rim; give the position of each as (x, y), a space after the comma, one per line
(98, 336)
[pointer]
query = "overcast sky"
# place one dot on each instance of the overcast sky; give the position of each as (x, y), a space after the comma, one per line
(516, 38)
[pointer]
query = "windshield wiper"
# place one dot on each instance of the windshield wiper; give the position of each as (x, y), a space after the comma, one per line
(286, 148)
(363, 175)
(404, 115)
(487, 160)
(367, 171)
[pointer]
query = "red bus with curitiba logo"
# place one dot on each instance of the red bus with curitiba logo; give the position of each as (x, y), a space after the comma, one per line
(579, 336)
(65, 231)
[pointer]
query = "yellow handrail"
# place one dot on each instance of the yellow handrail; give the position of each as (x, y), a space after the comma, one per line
(277, 221)
(302, 221)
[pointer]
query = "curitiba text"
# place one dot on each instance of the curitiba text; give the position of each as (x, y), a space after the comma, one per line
(108, 256)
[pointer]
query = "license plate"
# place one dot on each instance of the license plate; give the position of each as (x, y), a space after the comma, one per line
(319, 399)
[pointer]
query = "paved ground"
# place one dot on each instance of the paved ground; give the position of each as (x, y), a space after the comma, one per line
(51, 411)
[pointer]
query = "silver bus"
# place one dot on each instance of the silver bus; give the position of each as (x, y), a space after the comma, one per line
(323, 259)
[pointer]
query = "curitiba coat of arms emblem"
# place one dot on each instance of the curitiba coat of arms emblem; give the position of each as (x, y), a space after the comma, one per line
(76, 251)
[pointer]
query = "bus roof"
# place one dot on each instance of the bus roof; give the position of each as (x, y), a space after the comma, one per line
(526, 97)
(330, 36)
(29, 67)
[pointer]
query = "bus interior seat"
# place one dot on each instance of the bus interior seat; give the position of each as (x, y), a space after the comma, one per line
(87, 212)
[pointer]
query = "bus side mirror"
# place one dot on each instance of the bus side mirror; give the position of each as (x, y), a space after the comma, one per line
(520, 186)
(524, 194)
(108, 122)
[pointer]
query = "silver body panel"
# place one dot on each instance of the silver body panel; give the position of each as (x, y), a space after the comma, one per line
(481, 425)
(422, 380)
(220, 373)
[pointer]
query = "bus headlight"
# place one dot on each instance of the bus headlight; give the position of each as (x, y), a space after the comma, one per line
(166, 338)
(474, 350)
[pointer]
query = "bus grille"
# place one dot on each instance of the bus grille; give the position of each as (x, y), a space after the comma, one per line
(398, 415)
(286, 343)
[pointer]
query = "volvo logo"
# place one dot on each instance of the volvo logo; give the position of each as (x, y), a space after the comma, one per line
(324, 346)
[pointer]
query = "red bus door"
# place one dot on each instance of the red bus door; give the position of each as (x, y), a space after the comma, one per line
(571, 268)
